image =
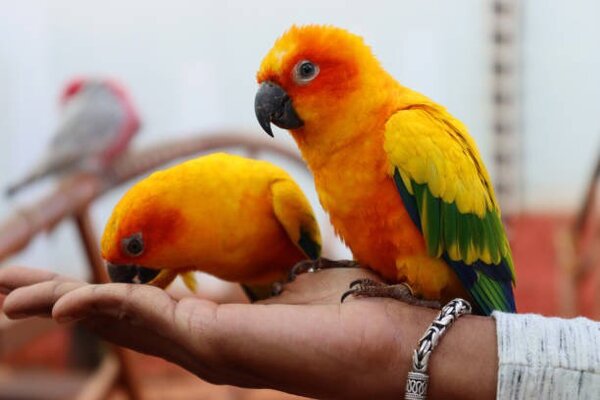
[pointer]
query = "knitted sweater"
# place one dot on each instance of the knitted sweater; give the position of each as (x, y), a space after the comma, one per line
(547, 358)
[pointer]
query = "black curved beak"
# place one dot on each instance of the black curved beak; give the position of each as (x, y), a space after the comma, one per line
(131, 273)
(272, 104)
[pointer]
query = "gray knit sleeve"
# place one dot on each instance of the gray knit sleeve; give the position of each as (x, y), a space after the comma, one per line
(547, 358)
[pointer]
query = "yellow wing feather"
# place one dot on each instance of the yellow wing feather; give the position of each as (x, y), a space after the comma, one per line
(430, 146)
(295, 214)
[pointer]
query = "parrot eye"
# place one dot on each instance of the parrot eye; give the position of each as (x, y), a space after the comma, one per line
(133, 245)
(305, 71)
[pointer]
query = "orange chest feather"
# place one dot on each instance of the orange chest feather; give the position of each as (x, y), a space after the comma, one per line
(366, 210)
(368, 214)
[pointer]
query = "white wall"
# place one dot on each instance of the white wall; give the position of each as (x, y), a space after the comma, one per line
(191, 65)
(561, 85)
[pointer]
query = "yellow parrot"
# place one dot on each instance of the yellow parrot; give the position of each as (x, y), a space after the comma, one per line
(401, 179)
(238, 219)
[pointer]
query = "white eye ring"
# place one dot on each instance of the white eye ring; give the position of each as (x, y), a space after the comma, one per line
(305, 71)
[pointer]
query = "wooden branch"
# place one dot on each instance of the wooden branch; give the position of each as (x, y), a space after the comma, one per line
(586, 210)
(126, 373)
(89, 242)
(101, 382)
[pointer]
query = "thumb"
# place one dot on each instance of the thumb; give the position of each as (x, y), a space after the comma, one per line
(148, 320)
(140, 317)
(138, 304)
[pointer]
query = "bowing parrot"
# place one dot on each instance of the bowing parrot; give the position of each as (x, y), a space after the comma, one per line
(97, 122)
(401, 178)
(238, 219)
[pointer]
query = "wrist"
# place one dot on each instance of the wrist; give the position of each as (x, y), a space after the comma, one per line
(465, 364)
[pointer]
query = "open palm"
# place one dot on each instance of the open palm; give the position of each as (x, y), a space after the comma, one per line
(303, 341)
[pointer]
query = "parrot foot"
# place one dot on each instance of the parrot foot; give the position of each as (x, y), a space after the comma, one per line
(276, 288)
(318, 264)
(401, 291)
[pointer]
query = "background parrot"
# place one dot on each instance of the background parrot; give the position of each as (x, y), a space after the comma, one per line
(401, 179)
(238, 219)
(98, 120)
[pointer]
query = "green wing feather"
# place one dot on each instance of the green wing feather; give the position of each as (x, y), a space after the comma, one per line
(309, 244)
(452, 202)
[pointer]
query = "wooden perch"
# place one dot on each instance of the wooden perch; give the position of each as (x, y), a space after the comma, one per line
(586, 210)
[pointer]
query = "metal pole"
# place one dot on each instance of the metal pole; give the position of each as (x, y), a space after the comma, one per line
(506, 103)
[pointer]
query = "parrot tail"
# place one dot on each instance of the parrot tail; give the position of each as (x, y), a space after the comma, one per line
(16, 187)
(48, 167)
(257, 292)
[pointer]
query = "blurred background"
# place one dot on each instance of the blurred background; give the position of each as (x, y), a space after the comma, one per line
(521, 75)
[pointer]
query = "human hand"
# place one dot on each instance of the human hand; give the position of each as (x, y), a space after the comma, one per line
(303, 341)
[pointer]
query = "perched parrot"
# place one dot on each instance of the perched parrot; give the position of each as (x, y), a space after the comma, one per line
(97, 122)
(400, 177)
(238, 219)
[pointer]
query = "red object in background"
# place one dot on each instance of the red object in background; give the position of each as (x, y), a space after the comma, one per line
(533, 246)
(544, 260)
(45, 352)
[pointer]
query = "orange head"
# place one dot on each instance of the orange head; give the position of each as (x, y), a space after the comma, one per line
(316, 75)
(143, 232)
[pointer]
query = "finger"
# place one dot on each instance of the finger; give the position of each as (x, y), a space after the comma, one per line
(141, 338)
(37, 299)
(188, 332)
(141, 317)
(138, 303)
(15, 277)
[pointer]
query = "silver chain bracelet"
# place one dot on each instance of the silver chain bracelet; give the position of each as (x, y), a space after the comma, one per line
(418, 379)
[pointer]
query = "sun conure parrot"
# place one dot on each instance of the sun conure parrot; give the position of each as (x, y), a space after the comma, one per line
(97, 122)
(400, 177)
(238, 219)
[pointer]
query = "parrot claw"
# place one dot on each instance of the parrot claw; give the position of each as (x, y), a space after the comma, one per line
(319, 264)
(276, 288)
(401, 291)
(363, 282)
